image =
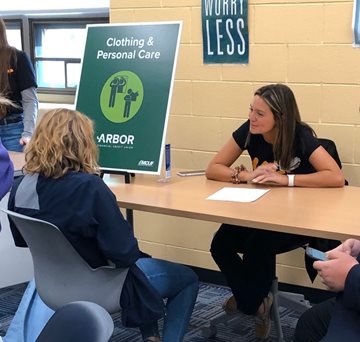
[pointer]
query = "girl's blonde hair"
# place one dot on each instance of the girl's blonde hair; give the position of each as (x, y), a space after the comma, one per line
(63, 141)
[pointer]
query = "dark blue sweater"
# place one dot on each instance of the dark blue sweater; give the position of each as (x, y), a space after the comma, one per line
(345, 318)
(85, 210)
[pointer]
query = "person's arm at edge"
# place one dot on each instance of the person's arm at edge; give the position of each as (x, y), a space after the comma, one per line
(6, 171)
(328, 173)
(30, 105)
(351, 297)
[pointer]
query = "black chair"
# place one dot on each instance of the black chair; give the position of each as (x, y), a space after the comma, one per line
(296, 301)
(321, 243)
(78, 321)
(330, 147)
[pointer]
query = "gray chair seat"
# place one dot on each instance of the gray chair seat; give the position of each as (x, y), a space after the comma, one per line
(80, 322)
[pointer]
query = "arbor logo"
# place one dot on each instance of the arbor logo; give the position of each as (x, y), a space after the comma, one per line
(121, 96)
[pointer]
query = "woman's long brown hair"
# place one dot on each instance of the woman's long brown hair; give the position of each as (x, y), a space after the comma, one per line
(7, 58)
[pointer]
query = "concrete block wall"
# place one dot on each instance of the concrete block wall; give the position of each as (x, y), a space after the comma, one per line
(306, 44)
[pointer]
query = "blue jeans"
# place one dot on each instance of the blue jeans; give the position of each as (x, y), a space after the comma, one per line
(10, 135)
(30, 318)
(179, 284)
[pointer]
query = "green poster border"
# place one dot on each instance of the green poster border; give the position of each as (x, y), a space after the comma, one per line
(172, 57)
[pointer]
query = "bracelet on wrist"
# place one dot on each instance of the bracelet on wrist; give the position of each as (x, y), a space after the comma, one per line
(235, 177)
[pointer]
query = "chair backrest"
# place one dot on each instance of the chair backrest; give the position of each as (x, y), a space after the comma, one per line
(330, 146)
(61, 274)
(80, 322)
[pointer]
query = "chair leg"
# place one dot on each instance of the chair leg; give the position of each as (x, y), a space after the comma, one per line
(222, 318)
(275, 311)
(294, 301)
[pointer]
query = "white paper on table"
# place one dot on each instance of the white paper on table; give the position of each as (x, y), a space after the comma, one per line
(237, 194)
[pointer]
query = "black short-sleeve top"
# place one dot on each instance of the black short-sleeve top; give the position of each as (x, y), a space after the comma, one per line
(262, 152)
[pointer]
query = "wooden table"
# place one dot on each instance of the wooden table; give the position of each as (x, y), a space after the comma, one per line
(321, 212)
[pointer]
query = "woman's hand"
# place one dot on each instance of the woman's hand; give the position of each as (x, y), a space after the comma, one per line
(268, 174)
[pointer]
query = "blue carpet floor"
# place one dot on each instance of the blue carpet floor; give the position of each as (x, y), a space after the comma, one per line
(208, 305)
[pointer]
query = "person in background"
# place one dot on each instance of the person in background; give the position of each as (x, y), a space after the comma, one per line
(18, 84)
(337, 319)
(284, 151)
(61, 168)
(6, 171)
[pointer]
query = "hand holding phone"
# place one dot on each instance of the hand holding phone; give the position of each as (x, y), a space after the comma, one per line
(315, 254)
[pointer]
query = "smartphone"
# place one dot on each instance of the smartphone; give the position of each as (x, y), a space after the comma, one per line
(191, 173)
(315, 254)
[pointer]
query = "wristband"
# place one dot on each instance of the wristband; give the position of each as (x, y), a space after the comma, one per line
(291, 180)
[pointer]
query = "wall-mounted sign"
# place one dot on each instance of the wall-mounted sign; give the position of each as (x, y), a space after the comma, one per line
(225, 31)
(125, 87)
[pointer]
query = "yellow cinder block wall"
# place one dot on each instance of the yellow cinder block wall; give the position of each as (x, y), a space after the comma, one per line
(305, 44)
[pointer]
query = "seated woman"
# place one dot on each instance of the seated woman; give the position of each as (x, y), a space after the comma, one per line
(284, 151)
(62, 185)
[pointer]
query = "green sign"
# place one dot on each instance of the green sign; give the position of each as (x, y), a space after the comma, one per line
(125, 88)
(225, 31)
